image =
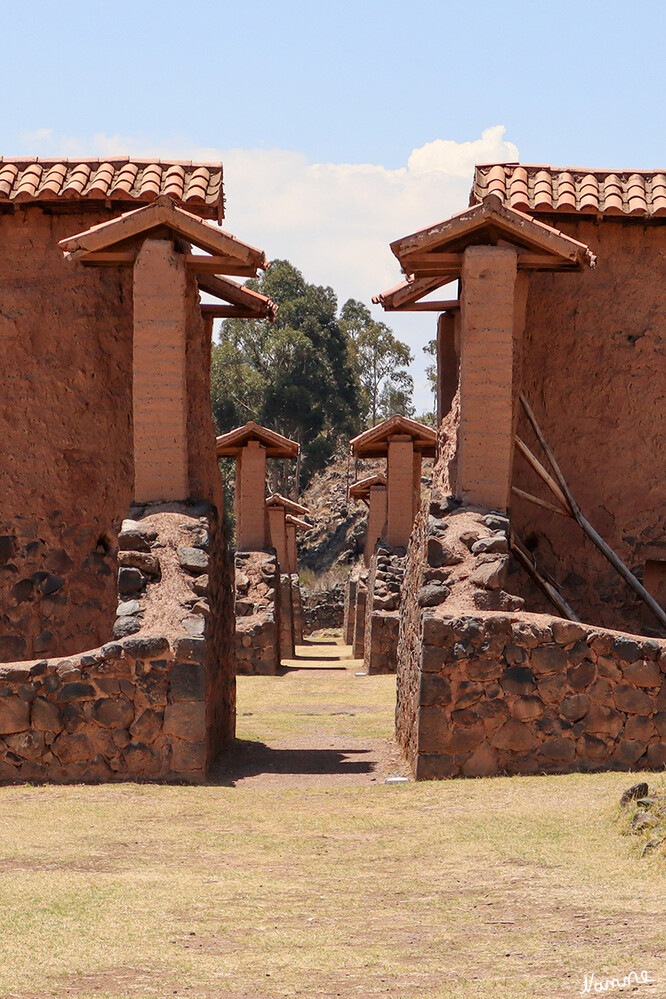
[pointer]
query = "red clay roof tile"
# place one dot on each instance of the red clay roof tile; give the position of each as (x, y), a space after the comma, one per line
(197, 186)
(543, 189)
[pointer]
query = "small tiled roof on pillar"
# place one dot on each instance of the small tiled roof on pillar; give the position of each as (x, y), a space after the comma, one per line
(226, 253)
(115, 243)
(374, 443)
(433, 257)
(300, 525)
(437, 250)
(360, 490)
(230, 444)
(540, 189)
(278, 500)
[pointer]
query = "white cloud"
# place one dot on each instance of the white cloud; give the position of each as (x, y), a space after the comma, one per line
(332, 220)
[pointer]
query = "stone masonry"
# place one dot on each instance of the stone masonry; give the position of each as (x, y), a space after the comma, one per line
(257, 613)
(486, 688)
(158, 702)
(382, 613)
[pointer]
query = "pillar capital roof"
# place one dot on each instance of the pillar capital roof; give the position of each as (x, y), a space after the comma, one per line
(374, 443)
(232, 443)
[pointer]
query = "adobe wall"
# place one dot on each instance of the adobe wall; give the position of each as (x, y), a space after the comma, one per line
(66, 462)
(485, 687)
(157, 703)
(257, 613)
(593, 370)
(66, 342)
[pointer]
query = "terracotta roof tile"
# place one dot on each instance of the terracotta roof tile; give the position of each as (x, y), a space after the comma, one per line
(197, 186)
(538, 188)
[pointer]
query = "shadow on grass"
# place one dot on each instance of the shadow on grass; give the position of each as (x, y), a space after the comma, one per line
(313, 662)
(247, 759)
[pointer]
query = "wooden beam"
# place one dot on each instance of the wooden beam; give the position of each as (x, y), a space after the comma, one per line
(201, 264)
(529, 564)
(425, 265)
(543, 474)
(444, 306)
(539, 502)
(110, 258)
(227, 312)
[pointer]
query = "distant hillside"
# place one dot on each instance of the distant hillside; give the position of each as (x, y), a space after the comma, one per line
(339, 523)
(338, 534)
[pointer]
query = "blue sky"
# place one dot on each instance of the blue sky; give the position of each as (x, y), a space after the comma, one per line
(342, 125)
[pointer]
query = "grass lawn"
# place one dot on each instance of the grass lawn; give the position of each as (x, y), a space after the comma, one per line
(502, 888)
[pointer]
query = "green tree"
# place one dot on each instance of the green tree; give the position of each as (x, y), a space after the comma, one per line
(396, 396)
(380, 360)
(294, 375)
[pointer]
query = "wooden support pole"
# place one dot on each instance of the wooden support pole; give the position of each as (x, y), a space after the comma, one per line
(583, 522)
(539, 502)
(547, 587)
(542, 473)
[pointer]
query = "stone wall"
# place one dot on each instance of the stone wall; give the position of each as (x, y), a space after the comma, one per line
(486, 688)
(155, 704)
(326, 608)
(257, 613)
(382, 615)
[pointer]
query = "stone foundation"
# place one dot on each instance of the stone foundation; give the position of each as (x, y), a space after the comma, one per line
(382, 616)
(257, 613)
(158, 703)
(487, 688)
(325, 608)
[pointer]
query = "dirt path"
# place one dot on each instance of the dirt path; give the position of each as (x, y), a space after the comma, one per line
(321, 723)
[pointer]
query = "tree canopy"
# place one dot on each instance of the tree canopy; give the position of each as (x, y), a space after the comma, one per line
(312, 375)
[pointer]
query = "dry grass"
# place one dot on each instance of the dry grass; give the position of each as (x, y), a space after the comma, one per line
(488, 888)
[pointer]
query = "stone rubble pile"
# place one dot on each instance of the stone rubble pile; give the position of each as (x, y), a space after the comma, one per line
(646, 815)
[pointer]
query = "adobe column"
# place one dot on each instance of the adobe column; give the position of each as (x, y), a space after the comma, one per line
(159, 374)
(400, 474)
(416, 485)
(485, 433)
(250, 497)
(376, 519)
(292, 552)
(278, 533)
(447, 362)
